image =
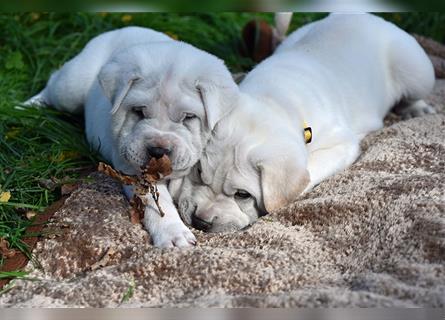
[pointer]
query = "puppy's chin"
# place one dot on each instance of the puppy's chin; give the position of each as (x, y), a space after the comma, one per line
(227, 228)
(221, 220)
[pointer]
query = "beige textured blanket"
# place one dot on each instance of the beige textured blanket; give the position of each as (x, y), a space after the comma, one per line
(373, 235)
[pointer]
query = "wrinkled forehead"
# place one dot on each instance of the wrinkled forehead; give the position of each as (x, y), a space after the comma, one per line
(240, 142)
(166, 93)
(229, 167)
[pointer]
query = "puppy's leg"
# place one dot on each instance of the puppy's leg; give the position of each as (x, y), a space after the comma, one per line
(168, 231)
(412, 75)
(63, 91)
(39, 100)
(408, 110)
(324, 163)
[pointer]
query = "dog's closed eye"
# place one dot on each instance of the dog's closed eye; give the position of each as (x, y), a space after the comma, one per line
(242, 195)
(188, 117)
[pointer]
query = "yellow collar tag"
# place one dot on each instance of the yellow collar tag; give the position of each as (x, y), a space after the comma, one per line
(307, 132)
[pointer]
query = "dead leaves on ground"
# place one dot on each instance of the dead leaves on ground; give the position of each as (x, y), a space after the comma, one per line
(144, 184)
(103, 261)
(67, 185)
(5, 251)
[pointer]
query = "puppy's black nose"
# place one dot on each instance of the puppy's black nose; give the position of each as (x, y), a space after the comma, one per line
(200, 224)
(157, 152)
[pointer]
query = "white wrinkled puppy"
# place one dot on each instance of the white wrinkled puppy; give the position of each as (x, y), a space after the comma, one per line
(340, 75)
(145, 95)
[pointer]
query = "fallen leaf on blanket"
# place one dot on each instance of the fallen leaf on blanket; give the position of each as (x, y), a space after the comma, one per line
(144, 184)
(137, 210)
(4, 249)
(104, 260)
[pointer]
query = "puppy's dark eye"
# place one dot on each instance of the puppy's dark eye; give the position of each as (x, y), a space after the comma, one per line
(189, 116)
(242, 195)
(139, 111)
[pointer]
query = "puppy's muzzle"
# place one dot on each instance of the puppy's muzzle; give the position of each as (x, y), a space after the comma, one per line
(157, 152)
(201, 224)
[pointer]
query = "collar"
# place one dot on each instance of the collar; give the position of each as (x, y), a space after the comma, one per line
(307, 133)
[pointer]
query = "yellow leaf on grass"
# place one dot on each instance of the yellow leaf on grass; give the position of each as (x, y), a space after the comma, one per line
(127, 18)
(12, 133)
(5, 196)
(35, 16)
(172, 35)
(64, 155)
(397, 17)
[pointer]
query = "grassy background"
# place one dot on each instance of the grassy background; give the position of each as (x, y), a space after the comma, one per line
(41, 145)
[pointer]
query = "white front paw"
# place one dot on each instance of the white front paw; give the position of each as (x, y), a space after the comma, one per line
(37, 101)
(173, 235)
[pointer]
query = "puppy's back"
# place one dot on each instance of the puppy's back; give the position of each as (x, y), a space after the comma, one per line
(68, 87)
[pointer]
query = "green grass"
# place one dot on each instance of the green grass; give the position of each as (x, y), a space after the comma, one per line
(36, 145)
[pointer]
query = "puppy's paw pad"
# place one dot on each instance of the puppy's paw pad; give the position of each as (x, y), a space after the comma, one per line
(176, 235)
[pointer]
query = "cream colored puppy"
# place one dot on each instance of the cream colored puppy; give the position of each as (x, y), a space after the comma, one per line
(145, 95)
(340, 76)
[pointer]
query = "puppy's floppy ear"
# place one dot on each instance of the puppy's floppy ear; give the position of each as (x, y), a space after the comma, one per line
(282, 180)
(218, 96)
(116, 81)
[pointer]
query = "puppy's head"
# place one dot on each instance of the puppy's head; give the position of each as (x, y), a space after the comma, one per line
(165, 98)
(252, 166)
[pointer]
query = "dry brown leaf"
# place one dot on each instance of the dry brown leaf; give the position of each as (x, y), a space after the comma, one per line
(157, 169)
(30, 214)
(68, 188)
(49, 184)
(4, 249)
(109, 171)
(137, 210)
(104, 260)
(144, 184)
